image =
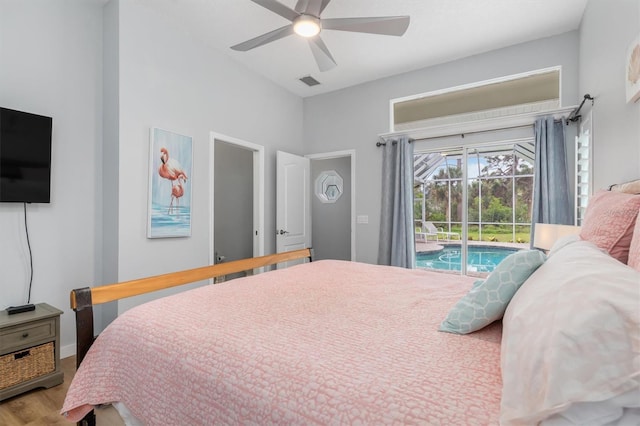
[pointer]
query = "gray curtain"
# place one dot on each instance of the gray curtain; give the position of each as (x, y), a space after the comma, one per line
(552, 201)
(397, 246)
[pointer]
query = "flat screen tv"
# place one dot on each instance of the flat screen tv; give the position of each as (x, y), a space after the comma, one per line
(25, 157)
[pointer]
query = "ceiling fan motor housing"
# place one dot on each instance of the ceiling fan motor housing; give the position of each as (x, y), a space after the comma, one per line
(307, 25)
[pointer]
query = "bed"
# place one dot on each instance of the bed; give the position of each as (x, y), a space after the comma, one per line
(334, 342)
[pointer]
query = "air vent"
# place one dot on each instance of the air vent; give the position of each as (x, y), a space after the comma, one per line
(309, 81)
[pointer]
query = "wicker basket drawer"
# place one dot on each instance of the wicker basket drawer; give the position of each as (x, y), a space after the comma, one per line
(27, 333)
(21, 366)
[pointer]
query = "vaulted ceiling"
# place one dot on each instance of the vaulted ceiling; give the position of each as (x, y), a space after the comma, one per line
(439, 31)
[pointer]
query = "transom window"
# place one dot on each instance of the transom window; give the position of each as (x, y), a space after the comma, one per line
(529, 92)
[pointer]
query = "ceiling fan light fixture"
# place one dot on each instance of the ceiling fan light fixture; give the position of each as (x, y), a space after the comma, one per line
(305, 21)
(306, 26)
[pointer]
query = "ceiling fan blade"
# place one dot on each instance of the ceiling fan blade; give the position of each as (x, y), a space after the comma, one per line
(321, 53)
(386, 25)
(311, 7)
(264, 38)
(278, 8)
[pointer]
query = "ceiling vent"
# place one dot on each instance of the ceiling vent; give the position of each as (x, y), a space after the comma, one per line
(309, 81)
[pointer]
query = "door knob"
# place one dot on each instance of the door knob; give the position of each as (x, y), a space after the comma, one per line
(281, 232)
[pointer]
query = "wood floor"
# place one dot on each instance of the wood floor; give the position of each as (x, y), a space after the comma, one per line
(41, 407)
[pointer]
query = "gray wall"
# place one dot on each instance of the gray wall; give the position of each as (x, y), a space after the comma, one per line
(51, 64)
(331, 222)
(233, 206)
(108, 168)
(352, 118)
(605, 34)
(142, 71)
(169, 79)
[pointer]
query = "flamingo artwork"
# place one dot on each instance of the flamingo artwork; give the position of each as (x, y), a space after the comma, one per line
(171, 170)
(170, 175)
(177, 191)
(170, 167)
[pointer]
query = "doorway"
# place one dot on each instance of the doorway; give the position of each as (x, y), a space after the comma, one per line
(237, 199)
(333, 219)
(472, 204)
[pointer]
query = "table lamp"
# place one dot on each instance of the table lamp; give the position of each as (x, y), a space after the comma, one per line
(546, 234)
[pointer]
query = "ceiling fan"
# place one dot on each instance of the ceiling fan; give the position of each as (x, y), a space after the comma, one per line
(306, 22)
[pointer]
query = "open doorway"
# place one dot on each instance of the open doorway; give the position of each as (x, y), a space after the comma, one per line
(333, 209)
(237, 199)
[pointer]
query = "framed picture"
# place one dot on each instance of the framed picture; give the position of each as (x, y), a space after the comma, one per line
(633, 71)
(170, 164)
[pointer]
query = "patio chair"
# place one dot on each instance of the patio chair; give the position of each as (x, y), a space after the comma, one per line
(440, 233)
(425, 233)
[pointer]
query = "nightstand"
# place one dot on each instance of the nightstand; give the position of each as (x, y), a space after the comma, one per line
(29, 350)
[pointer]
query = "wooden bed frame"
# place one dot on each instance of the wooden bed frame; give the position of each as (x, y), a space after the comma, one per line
(83, 299)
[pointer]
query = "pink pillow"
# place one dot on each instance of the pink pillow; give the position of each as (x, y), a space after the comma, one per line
(634, 249)
(609, 222)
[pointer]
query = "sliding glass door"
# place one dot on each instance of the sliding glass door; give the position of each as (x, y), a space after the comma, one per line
(477, 201)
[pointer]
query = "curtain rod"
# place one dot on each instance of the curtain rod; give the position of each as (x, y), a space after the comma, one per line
(575, 116)
(462, 135)
(379, 144)
(557, 113)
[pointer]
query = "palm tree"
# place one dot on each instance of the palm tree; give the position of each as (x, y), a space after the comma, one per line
(446, 191)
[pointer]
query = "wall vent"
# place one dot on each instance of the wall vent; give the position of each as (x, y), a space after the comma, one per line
(309, 81)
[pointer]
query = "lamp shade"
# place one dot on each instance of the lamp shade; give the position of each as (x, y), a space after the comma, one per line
(546, 234)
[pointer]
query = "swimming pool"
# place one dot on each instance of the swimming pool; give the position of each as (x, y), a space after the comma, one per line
(479, 258)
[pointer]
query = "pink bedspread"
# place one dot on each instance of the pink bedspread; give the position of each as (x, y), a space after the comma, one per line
(329, 342)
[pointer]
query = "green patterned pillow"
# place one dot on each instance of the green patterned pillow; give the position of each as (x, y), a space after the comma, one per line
(487, 301)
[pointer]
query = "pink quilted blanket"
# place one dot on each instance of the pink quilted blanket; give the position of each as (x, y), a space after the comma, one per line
(329, 342)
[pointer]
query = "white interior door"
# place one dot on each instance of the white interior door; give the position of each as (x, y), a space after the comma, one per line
(293, 195)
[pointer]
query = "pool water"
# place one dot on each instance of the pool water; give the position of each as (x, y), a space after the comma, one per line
(479, 258)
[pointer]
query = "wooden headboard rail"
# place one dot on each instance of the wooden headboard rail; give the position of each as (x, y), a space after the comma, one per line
(83, 299)
(111, 292)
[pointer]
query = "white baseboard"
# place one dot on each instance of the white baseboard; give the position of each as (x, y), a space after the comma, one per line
(67, 351)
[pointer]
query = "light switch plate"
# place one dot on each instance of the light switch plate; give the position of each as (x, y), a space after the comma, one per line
(362, 219)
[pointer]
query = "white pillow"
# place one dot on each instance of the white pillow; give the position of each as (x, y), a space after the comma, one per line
(563, 242)
(622, 410)
(571, 334)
